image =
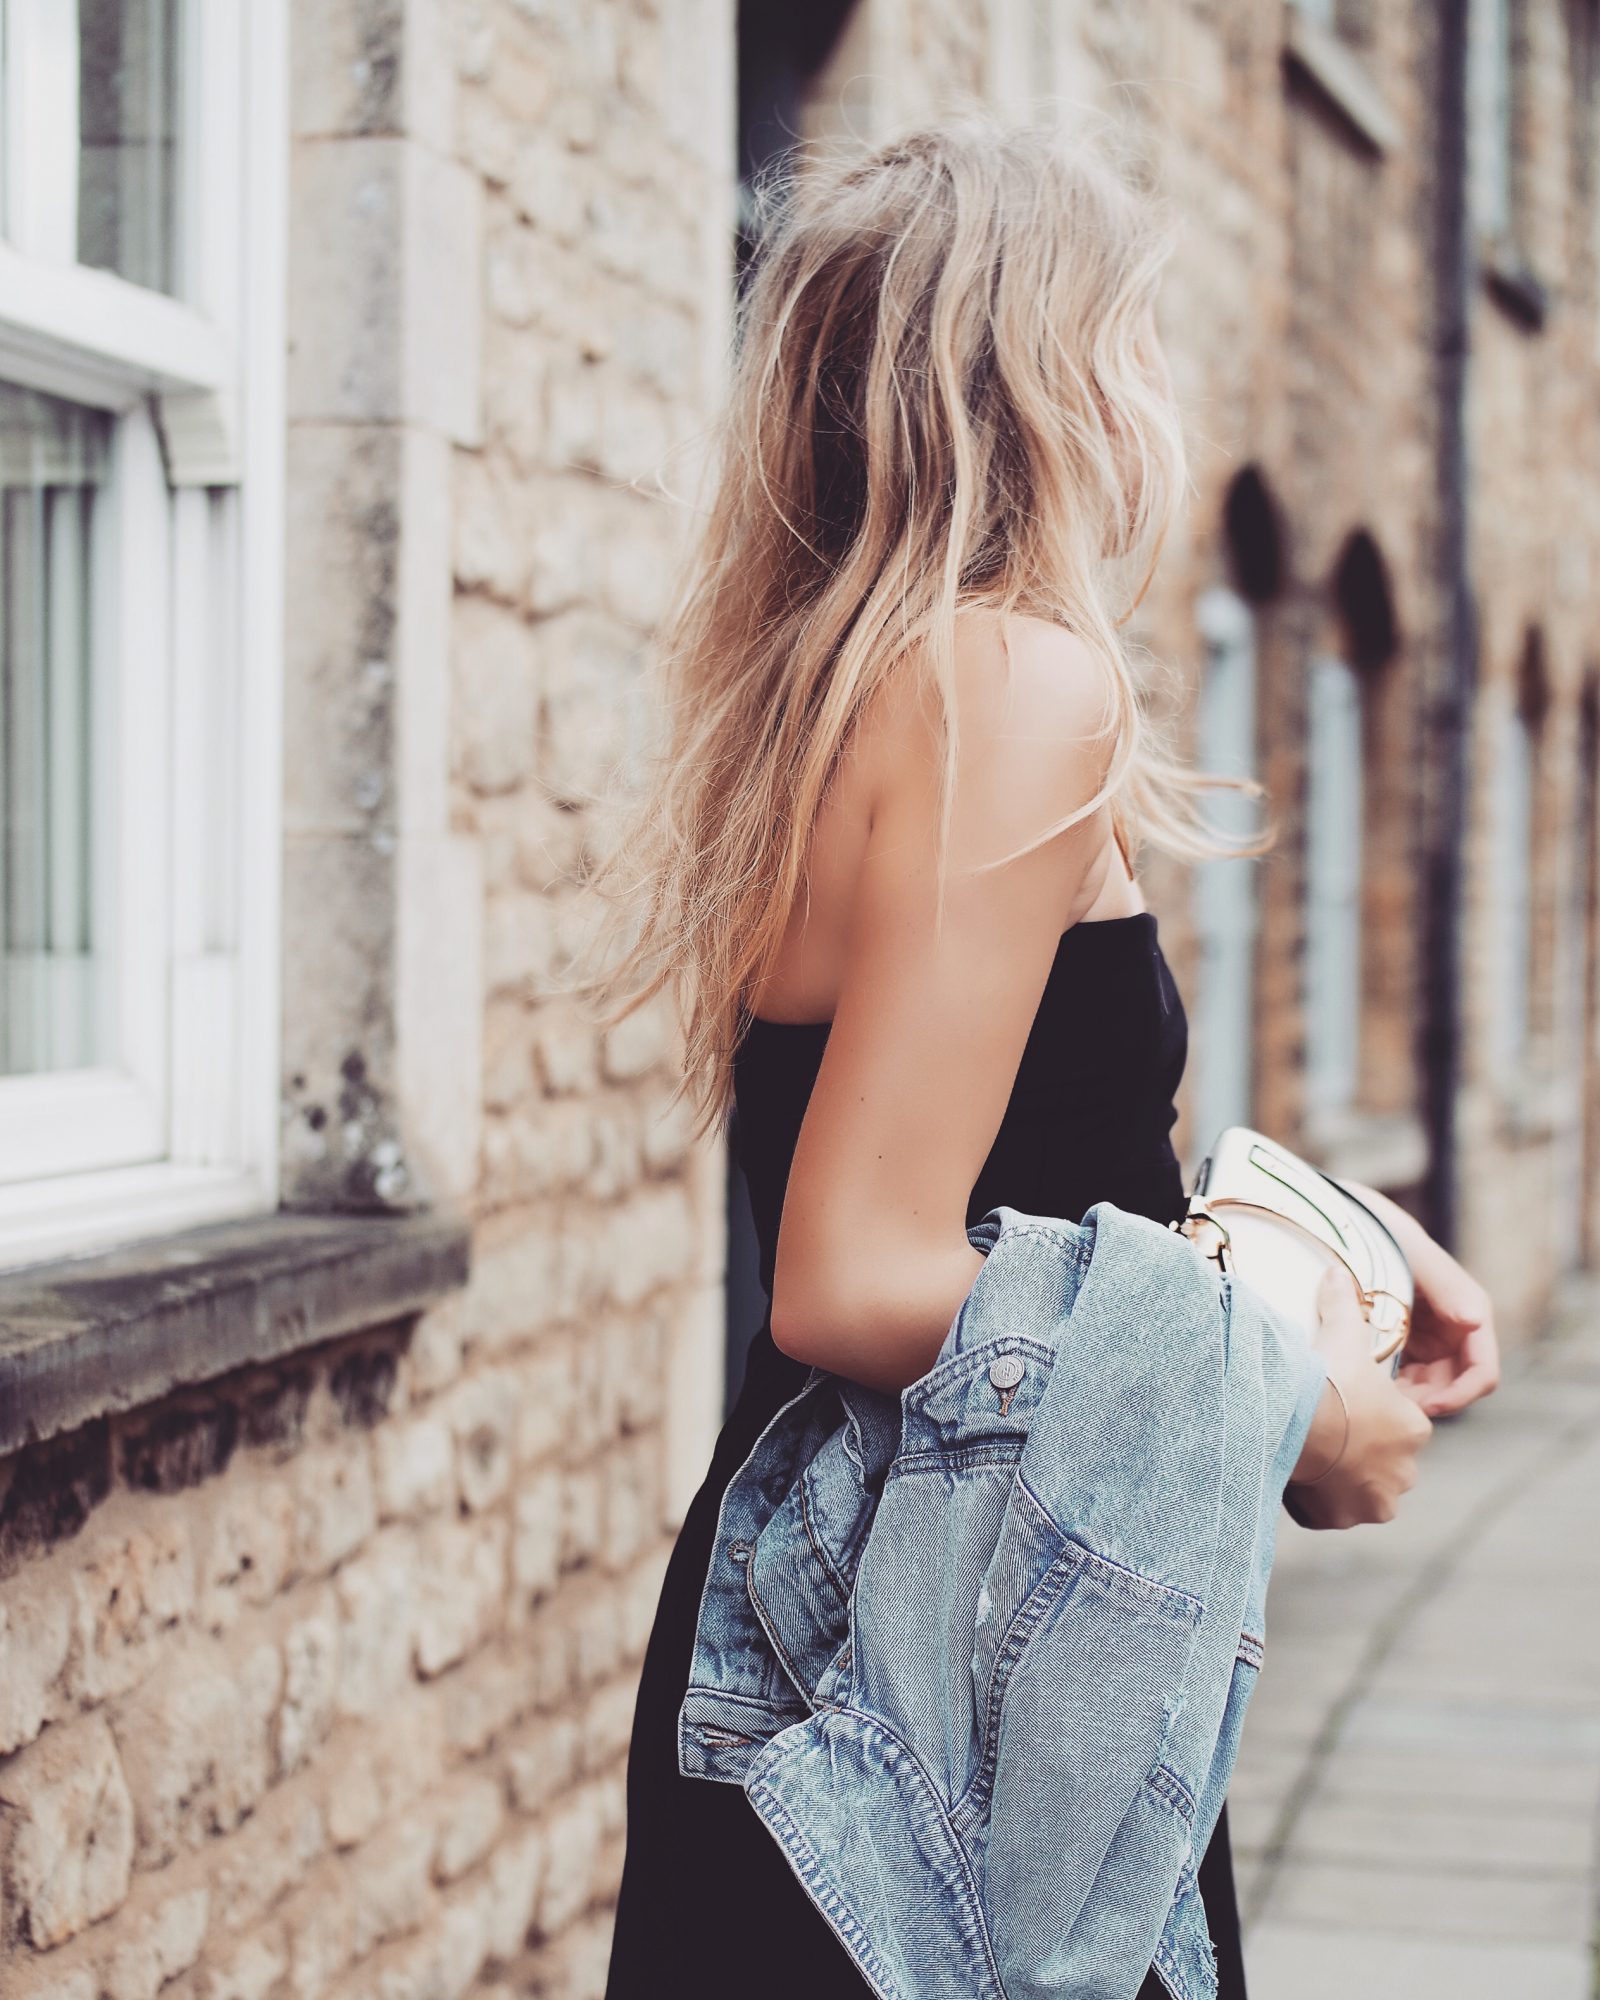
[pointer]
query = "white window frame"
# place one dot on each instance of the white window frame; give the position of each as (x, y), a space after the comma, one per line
(1491, 136)
(1335, 835)
(182, 1126)
(1226, 905)
(1516, 768)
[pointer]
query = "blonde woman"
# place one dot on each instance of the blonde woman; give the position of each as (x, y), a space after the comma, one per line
(884, 862)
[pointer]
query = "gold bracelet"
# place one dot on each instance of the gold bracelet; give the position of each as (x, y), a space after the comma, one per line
(1343, 1443)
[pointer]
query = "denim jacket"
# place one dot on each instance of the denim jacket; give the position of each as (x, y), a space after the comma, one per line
(979, 1654)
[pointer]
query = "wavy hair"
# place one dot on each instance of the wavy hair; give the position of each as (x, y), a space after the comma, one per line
(944, 396)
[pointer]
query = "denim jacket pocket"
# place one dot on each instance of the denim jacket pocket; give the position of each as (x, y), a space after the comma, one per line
(1077, 1690)
(1035, 1566)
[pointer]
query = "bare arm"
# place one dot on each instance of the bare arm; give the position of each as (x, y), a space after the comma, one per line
(873, 1259)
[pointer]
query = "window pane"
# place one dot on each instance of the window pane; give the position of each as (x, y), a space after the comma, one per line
(1334, 827)
(54, 999)
(127, 138)
(1225, 889)
(1491, 56)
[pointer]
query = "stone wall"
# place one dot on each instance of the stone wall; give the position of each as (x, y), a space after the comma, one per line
(317, 1682)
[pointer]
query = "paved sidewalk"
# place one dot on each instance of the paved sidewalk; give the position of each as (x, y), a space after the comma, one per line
(1415, 1808)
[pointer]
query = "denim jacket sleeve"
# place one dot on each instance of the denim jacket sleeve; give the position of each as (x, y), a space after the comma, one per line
(992, 1649)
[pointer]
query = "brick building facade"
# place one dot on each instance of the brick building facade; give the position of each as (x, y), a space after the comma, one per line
(330, 1531)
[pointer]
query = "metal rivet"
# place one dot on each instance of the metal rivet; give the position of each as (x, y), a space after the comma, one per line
(1007, 1370)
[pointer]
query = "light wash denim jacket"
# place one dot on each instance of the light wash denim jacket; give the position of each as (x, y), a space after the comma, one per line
(979, 1654)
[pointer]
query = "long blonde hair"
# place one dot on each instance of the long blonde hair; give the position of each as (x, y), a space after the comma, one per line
(941, 398)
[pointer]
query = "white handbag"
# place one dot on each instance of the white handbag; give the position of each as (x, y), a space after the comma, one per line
(1262, 1213)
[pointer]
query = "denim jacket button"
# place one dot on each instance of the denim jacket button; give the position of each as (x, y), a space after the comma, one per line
(740, 1551)
(1007, 1370)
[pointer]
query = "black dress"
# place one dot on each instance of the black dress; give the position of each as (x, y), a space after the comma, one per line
(708, 1905)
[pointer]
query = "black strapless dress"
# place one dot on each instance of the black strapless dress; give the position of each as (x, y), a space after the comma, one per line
(708, 1907)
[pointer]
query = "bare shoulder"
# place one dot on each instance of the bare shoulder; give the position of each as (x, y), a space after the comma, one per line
(1032, 703)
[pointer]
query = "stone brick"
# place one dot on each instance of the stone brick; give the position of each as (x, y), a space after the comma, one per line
(439, 1963)
(571, 1852)
(515, 1287)
(616, 1158)
(335, 1508)
(462, 1590)
(72, 1844)
(508, 1074)
(414, 1464)
(541, 1152)
(482, 1416)
(35, 1630)
(668, 1135)
(594, 1631)
(497, 695)
(539, 1531)
(377, 1608)
(631, 1501)
(638, 1043)
(249, 1970)
(390, 1882)
(542, 1760)
(268, 1857)
(378, 1775)
(597, 1394)
(53, 1979)
(469, 1821)
(126, 1596)
(568, 1051)
(484, 1696)
(640, 1595)
(156, 1943)
(575, 1966)
(248, 1550)
(433, 1358)
(632, 1351)
(310, 1685)
(545, 1383)
(607, 1723)
(319, 1923)
(515, 1870)
(582, 1513)
(195, 1743)
(658, 1228)
(589, 668)
(493, 530)
(519, 939)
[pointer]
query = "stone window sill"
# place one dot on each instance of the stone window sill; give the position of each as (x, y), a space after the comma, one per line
(90, 1336)
(1383, 1150)
(1340, 79)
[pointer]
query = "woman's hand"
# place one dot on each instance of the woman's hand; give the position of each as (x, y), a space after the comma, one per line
(1348, 1475)
(1452, 1357)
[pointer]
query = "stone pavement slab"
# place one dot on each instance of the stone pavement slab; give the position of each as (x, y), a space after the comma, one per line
(1295, 1962)
(1416, 1805)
